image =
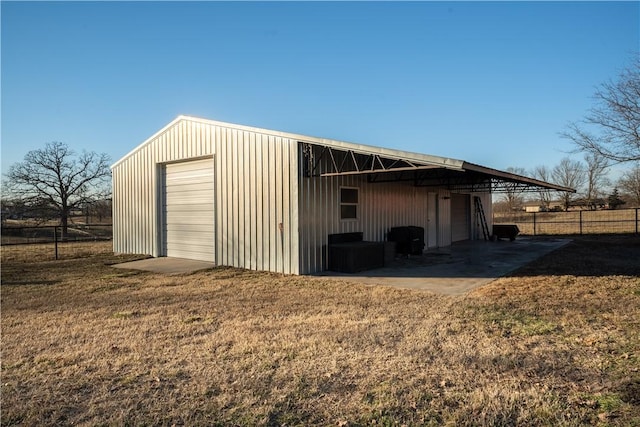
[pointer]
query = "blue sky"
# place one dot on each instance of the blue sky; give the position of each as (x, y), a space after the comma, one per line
(490, 83)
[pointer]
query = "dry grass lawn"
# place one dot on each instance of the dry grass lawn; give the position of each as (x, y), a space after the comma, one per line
(558, 343)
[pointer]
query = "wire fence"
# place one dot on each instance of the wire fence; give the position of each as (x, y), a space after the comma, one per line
(53, 241)
(619, 221)
(49, 242)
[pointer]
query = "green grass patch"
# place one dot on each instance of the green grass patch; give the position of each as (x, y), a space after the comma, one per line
(515, 322)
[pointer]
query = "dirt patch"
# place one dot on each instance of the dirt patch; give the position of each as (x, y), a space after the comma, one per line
(556, 343)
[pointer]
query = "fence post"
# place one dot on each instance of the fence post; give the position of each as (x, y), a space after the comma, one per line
(581, 222)
(55, 240)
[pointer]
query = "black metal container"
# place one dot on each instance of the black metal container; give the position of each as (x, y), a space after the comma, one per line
(409, 240)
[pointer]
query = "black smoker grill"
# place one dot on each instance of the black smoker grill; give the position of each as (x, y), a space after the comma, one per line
(409, 240)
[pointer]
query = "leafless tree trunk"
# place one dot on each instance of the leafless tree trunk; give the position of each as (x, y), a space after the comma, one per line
(569, 173)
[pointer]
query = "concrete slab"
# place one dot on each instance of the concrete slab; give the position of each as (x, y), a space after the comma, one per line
(167, 265)
(459, 268)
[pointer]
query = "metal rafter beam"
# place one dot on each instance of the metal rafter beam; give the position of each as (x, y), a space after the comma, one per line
(329, 161)
(369, 172)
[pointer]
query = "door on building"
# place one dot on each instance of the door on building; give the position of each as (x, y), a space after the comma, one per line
(432, 220)
(460, 217)
(188, 210)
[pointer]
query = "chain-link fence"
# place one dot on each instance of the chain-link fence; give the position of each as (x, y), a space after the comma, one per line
(619, 221)
(54, 242)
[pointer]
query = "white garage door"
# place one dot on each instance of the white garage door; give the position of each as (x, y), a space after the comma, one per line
(460, 217)
(188, 207)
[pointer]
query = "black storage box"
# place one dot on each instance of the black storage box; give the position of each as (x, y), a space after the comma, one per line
(409, 240)
(349, 254)
(506, 231)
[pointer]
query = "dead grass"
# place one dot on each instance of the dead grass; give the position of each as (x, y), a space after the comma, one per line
(556, 344)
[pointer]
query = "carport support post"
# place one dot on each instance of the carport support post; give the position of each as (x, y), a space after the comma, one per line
(581, 222)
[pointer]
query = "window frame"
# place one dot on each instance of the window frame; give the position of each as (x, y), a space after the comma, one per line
(356, 204)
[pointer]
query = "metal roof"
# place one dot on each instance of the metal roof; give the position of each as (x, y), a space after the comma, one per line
(328, 157)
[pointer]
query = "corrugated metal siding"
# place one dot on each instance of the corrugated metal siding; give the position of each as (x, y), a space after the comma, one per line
(133, 216)
(257, 219)
(380, 207)
(254, 187)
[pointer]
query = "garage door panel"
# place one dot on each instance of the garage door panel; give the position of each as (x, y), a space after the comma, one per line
(195, 199)
(196, 216)
(189, 252)
(189, 210)
(178, 212)
(190, 168)
(201, 176)
(193, 186)
(200, 226)
(190, 194)
(184, 231)
(201, 180)
(186, 174)
(189, 237)
(193, 241)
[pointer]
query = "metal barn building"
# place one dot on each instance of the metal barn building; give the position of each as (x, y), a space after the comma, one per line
(267, 200)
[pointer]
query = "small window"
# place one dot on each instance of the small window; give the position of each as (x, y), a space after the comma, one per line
(348, 203)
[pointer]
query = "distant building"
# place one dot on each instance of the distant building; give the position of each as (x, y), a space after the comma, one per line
(538, 207)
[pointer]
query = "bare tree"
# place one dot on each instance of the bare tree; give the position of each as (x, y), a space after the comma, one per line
(543, 173)
(629, 183)
(596, 178)
(57, 177)
(569, 173)
(102, 209)
(512, 197)
(611, 128)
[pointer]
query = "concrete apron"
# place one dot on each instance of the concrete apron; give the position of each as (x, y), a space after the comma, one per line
(454, 270)
(457, 269)
(167, 265)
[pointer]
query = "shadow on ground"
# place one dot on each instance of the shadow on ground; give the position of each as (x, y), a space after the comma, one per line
(466, 265)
